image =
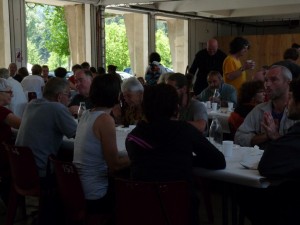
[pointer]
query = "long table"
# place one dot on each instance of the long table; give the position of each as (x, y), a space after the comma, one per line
(235, 172)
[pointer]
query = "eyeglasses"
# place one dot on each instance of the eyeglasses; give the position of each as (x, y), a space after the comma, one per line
(8, 92)
(67, 94)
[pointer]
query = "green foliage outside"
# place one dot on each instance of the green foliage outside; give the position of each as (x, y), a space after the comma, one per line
(47, 37)
(32, 53)
(56, 35)
(55, 60)
(117, 52)
(48, 41)
(163, 48)
(117, 44)
(35, 26)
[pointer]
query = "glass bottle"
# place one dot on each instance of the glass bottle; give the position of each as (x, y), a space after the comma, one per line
(81, 109)
(215, 132)
(216, 97)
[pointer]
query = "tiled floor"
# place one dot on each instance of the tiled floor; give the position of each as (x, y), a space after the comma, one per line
(32, 208)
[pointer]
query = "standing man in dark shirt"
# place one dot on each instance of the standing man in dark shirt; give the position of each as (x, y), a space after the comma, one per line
(205, 61)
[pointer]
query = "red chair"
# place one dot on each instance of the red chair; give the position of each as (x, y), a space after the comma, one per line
(149, 203)
(25, 179)
(4, 173)
(72, 195)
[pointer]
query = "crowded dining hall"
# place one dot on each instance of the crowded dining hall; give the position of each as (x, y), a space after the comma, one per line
(155, 113)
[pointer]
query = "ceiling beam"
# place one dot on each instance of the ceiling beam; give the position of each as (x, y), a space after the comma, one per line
(209, 5)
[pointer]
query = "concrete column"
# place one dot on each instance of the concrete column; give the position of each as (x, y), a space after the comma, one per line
(100, 39)
(87, 31)
(178, 37)
(4, 34)
(17, 30)
(76, 29)
(151, 33)
(137, 35)
(93, 32)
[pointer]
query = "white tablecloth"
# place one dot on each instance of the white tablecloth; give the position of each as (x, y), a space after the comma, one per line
(235, 172)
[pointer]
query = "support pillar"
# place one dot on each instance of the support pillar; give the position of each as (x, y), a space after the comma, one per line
(137, 35)
(178, 37)
(5, 58)
(17, 28)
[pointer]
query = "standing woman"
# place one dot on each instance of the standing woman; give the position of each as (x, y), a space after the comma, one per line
(234, 72)
(95, 148)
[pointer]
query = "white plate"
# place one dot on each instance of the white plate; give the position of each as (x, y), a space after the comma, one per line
(250, 165)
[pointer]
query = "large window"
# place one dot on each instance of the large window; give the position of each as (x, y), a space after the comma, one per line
(116, 42)
(162, 43)
(47, 36)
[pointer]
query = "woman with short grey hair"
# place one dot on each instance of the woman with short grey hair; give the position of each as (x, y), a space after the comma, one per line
(132, 84)
(129, 111)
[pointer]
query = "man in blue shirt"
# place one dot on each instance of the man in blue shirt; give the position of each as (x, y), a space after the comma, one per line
(227, 91)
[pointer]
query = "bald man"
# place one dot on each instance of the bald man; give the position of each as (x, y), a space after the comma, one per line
(12, 68)
(205, 61)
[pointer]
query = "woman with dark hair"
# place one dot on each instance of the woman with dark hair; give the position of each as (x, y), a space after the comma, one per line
(95, 148)
(60, 72)
(155, 69)
(233, 69)
(161, 148)
(22, 72)
(251, 93)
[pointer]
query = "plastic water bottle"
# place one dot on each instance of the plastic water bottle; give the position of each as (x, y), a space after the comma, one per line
(81, 109)
(215, 132)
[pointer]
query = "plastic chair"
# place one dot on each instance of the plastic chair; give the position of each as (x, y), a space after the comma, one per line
(25, 179)
(72, 195)
(148, 203)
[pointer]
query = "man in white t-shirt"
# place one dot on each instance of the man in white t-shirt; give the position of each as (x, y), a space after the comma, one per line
(35, 82)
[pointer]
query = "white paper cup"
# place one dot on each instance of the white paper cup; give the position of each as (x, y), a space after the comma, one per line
(208, 104)
(251, 62)
(230, 106)
(227, 147)
(214, 106)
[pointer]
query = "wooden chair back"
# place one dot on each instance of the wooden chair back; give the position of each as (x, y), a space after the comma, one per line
(24, 173)
(70, 190)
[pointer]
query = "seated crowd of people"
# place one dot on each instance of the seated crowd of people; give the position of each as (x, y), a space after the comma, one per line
(171, 124)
